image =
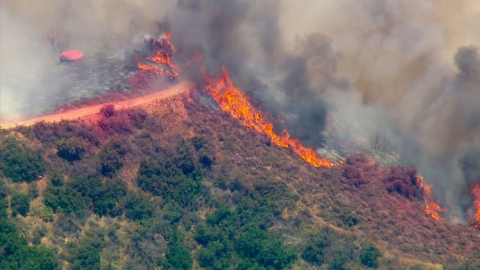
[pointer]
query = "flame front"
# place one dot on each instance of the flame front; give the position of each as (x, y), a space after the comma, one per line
(431, 208)
(234, 102)
(476, 204)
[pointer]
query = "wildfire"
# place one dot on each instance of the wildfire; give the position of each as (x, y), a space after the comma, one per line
(476, 204)
(431, 208)
(234, 102)
(160, 59)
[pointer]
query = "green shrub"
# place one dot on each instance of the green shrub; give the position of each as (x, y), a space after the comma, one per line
(3, 188)
(137, 207)
(369, 256)
(20, 204)
(172, 212)
(105, 200)
(65, 199)
(16, 254)
(339, 258)
(71, 149)
(274, 255)
(178, 257)
(313, 252)
(19, 162)
(206, 258)
(469, 267)
(45, 213)
(172, 174)
(85, 254)
(111, 162)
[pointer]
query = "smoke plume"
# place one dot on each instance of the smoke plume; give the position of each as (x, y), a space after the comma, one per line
(408, 68)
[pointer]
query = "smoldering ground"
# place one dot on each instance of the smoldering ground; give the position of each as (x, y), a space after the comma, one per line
(407, 68)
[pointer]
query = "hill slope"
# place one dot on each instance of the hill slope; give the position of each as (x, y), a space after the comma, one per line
(181, 185)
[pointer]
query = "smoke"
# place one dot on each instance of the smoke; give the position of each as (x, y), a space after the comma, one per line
(29, 58)
(408, 68)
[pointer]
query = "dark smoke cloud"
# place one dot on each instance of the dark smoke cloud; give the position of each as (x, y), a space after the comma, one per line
(245, 37)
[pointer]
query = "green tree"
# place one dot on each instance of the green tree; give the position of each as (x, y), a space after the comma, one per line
(20, 204)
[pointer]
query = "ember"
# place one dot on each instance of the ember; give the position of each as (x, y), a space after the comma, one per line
(237, 104)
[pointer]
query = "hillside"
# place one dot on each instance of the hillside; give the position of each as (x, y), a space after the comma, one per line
(179, 184)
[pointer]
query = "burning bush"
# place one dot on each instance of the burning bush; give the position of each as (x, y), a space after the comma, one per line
(404, 182)
(163, 45)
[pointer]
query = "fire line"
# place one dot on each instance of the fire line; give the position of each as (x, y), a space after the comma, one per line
(234, 102)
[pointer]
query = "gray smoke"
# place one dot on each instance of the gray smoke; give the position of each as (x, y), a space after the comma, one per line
(245, 37)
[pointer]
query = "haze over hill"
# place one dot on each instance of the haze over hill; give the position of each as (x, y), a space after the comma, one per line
(397, 77)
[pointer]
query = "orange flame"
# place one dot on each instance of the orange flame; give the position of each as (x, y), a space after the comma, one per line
(476, 204)
(160, 58)
(234, 102)
(431, 208)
